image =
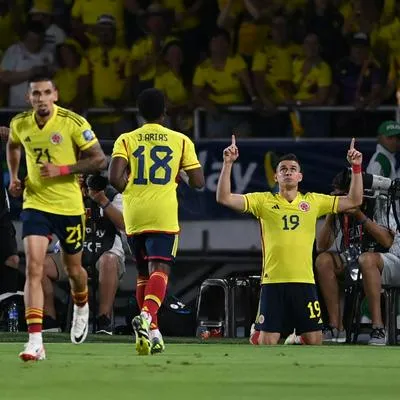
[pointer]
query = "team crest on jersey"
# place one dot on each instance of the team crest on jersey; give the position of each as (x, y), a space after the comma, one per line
(88, 135)
(56, 138)
(304, 206)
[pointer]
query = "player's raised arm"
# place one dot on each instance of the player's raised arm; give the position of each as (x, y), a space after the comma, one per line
(355, 195)
(224, 195)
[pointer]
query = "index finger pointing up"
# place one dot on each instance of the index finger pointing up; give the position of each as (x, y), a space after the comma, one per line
(352, 144)
(233, 140)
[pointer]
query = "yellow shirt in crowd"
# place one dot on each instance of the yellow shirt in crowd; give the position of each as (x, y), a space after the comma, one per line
(143, 48)
(172, 86)
(276, 63)
(224, 85)
(67, 81)
(320, 75)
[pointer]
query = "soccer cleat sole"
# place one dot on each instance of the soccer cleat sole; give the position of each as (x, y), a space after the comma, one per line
(143, 345)
(30, 357)
(157, 348)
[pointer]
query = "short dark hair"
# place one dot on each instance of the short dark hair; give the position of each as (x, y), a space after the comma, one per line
(41, 78)
(288, 157)
(35, 27)
(341, 181)
(151, 104)
(221, 32)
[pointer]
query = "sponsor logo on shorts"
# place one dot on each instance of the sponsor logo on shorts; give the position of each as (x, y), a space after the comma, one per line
(56, 138)
(304, 206)
(88, 135)
(261, 319)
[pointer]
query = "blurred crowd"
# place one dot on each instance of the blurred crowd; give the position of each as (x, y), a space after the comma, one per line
(213, 54)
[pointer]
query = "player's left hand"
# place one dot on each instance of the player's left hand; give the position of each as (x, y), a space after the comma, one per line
(98, 196)
(4, 133)
(48, 170)
(354, 157)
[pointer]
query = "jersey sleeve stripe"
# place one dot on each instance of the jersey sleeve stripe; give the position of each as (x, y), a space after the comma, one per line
(120, 155)
(183, 152)
(88, 145)
(192, 166)
(334, 206)
(126, 147)
(246, 203)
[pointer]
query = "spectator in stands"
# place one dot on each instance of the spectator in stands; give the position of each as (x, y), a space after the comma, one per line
(217, 83)
(272, 71)
(72, 78)
(383, 161)
(323, 19)
(389, 33)
(393, 80)
(9, 259)
(311, 84)
(24, 60)
(253, 18)
(54, 35)
(109, 72)
(357, 82)
(177, 92)
(11, 19)
(146, 52)
(110, 257)
(188, 27)
(86, 13)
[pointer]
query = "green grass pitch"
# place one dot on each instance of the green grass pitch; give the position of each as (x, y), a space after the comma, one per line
(192, 371)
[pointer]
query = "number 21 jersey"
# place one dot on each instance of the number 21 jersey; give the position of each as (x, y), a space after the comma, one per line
(155, 156)
(58, 142)
(288, 233)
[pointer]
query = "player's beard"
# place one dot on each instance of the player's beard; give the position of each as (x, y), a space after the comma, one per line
(43, 112)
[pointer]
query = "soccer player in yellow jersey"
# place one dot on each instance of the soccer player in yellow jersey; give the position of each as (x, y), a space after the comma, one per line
(288, 296)
(52, 138)
(145, 166)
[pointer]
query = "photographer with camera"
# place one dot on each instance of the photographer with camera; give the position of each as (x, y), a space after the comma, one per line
(104, 211)
(340, 242)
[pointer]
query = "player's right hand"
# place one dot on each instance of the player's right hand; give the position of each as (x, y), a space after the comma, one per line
(231, 153)
(15, 188)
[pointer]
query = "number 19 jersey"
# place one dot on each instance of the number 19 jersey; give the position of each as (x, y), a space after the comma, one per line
(155, 156)
(288, 233)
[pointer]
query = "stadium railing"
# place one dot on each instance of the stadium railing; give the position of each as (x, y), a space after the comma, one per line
(198, 112)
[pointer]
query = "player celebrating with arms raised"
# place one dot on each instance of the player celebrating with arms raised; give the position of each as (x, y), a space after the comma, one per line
(288, 295)
(52, 203)
(154, 156)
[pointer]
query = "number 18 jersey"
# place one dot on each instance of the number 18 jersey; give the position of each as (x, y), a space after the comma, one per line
(155, 156)
(288, 233)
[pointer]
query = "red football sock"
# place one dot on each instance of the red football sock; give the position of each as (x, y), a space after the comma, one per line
(80, 298)
(34, 319)
(154, 295)
(141, 284)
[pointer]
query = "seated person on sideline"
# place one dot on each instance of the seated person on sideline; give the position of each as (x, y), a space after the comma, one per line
(377, 269)
(288, 296)
(110, 257)
(340, 242)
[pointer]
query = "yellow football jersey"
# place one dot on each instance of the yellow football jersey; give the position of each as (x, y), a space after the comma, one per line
(288, 233)
(155, 155)
(58, 142)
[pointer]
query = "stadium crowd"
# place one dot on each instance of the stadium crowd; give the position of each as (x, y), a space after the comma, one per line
(209, 53)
